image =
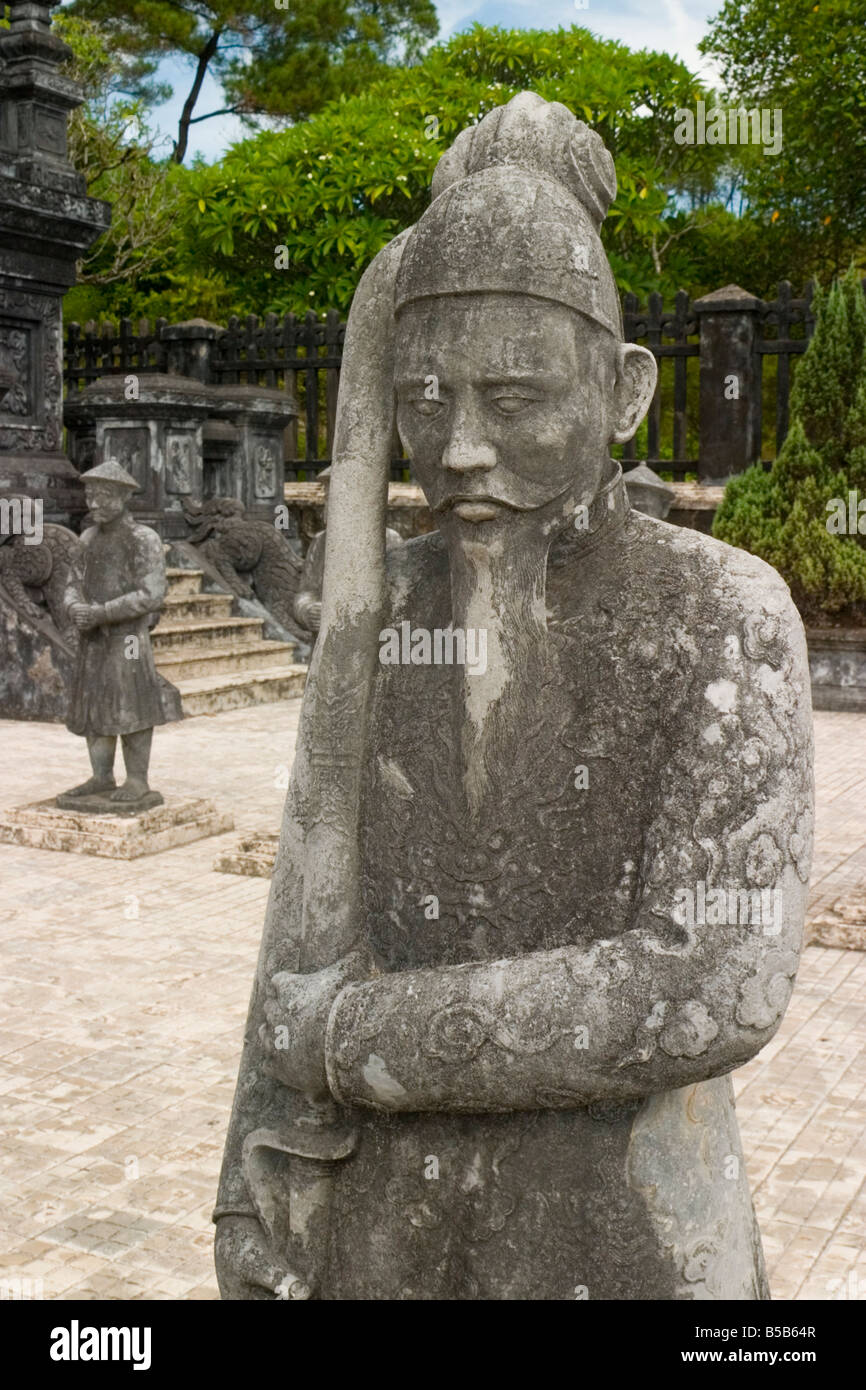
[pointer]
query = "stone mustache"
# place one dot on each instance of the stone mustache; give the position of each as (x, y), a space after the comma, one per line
(487, 1053)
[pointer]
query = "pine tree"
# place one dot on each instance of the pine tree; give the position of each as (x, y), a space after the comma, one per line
(782, 514)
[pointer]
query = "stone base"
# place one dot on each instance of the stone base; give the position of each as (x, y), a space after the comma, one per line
(837, 661)
(253, 854)
(843, 925)
(101, 804)
(44, 825)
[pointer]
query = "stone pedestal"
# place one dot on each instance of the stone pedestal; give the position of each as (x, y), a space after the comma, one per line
(44, 825)
(837, 665)
(46, 223)
(842, 925)
(253, 854)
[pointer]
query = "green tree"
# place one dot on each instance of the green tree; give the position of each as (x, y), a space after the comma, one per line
(333, 190)
(807, 60)
(785, 515)
(111, 145)
(283, 59)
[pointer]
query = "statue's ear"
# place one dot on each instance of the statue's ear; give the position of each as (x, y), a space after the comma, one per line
(636, 374)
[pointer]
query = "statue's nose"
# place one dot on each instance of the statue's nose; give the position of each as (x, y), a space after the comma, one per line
(467, 451)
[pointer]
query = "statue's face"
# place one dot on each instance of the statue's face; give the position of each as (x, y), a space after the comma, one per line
(104, 502)
(504, 404)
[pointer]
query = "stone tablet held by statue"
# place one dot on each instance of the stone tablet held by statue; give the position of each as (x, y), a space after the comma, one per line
(527, 914)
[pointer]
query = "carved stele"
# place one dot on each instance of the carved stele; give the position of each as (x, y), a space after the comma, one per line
(574, 873)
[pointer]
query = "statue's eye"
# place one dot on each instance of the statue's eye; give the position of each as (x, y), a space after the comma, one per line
(423, 406)
(511, 405)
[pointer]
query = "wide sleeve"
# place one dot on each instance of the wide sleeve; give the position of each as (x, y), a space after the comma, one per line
(149, 594)
(73, 585)
(699, 981)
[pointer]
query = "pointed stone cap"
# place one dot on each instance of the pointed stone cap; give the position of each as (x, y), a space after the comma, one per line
(729, 297)
(110, 472)
(647, 492)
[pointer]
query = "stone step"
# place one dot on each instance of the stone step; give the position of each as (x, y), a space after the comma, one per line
(215, 694)
(197, 663)
(177, 608)
(183, 582)
(210, 632)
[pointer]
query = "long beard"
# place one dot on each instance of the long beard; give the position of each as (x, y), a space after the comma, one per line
(498, 588)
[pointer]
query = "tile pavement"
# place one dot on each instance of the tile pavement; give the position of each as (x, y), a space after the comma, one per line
(119, 1037)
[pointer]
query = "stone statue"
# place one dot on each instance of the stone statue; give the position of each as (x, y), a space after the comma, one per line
(36, 576)
(113, 597)
(308, 599)
(250, 555)
(527, 914)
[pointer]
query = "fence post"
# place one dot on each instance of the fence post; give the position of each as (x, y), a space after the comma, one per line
(190, 348)
(730, 383)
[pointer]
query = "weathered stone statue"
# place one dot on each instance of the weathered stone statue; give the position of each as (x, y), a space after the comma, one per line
(527, 916)
(308, 599)
(35, 576)
(114, 595)
(253, 559)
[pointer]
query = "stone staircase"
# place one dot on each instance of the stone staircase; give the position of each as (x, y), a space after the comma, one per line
(216, 661)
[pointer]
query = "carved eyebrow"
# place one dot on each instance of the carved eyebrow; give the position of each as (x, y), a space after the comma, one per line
(503, 378)
(515, 378)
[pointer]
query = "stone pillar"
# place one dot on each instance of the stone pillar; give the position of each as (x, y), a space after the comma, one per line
(46, 223)
(190, 348)
(256, 473)
(730, 383)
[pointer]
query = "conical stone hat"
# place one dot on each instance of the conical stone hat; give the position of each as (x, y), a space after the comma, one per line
(110, 472)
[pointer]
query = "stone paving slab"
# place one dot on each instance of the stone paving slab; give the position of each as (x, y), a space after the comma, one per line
(119, 1042)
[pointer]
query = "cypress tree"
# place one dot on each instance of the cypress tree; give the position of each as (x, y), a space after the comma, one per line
(782, 514)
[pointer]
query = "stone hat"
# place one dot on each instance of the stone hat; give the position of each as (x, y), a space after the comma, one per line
(518, 203)
(111, 472)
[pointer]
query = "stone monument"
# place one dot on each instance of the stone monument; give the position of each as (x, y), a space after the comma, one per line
(46, 224)
(114, 596)
(529, 911)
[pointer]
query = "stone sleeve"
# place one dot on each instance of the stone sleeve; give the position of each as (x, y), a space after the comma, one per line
(73, 588)
(149, 596)
(700, 980)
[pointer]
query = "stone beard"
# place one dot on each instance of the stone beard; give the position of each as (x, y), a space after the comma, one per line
(502, 595)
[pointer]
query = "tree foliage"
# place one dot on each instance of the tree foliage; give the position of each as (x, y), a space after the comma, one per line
(333, 190)
(111, 145)
(284, 59)
(807, 60)
(782, 514)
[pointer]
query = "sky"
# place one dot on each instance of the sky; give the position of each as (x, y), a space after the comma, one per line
(671, 26)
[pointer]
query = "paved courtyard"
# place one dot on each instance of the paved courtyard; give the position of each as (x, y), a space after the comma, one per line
(124, 989)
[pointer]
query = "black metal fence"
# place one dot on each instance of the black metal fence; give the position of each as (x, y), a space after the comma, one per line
(717, 407)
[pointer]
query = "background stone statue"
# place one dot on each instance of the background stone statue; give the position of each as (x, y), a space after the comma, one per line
(251, 556)
(113, 597)
(524, 921)
(35, 577)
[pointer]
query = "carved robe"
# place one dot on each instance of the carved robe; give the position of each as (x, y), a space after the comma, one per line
(539, 1072)
(116, 688)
